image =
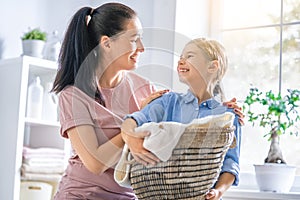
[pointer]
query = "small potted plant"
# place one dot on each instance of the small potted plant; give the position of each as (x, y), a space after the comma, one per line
(279, 114)
(33, 42)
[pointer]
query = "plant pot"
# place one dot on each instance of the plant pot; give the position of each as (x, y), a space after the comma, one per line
(275, 177)
(33, 48)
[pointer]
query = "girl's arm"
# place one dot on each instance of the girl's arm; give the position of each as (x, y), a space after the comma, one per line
(230, 167)
(223, 184)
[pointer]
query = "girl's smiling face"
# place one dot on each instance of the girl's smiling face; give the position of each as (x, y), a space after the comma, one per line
(192, 65)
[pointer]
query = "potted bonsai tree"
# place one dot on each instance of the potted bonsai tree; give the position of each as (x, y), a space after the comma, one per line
(279, 115)
(33, 42)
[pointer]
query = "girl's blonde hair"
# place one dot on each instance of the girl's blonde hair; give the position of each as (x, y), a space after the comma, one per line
(213, 50)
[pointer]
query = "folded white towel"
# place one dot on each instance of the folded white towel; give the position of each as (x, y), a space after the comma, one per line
(43, 151)
(43, 169)
(44, 162)
(165, 135)
(41, 177)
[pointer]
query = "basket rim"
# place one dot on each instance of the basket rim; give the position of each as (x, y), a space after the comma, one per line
(210, 129)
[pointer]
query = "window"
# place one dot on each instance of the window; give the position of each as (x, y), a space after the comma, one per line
(262, 39)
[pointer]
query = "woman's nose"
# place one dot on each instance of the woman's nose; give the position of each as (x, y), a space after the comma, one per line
(140, 46)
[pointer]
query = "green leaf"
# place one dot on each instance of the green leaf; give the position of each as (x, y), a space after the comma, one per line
(35, 34)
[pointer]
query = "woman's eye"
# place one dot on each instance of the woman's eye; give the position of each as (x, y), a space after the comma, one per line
(134, 40)
(190, 56)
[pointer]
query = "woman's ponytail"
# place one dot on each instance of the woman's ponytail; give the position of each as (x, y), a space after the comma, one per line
(75, 47)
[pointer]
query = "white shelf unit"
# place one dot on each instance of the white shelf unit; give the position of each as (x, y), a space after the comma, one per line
(16, 129)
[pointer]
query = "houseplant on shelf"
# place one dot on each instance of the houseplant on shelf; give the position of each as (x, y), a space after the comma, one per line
(279, 114)
(33, 42)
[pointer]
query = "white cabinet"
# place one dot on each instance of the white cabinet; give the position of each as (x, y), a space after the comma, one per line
(17, 130)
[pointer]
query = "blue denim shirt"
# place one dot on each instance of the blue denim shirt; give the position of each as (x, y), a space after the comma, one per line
(184, 108)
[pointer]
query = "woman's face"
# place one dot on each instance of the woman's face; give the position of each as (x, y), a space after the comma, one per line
(127, 46)
(192, 66)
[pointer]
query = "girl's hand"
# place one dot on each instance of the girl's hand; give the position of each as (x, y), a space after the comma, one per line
(213, 194)
(237, 109)
(153, 96)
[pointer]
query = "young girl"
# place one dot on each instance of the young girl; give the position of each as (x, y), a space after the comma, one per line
(202, 66)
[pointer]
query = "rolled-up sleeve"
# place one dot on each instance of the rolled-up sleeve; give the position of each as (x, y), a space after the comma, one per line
(231, 160)
(153, 112)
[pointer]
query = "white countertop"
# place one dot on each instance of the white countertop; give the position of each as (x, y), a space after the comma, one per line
(245, 194)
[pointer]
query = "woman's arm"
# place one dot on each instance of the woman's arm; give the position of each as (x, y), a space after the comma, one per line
(152, 97)
(95, 158)
(135, 143)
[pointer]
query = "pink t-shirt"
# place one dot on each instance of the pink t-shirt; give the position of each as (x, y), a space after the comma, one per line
(77, 108)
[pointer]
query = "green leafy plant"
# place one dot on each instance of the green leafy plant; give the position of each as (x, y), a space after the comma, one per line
(35, 34)
(279, 114)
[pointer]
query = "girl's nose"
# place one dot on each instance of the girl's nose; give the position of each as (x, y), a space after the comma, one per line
(181, 61)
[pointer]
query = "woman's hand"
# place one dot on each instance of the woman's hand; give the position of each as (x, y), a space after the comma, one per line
(139, 153)
(153, 96)
(134, 141)
(213, 194)
(236, 108)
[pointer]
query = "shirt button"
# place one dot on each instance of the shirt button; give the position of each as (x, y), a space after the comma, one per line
(204, 104)
(197, 108)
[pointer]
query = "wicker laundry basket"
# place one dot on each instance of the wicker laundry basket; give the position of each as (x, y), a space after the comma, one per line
(191, 171)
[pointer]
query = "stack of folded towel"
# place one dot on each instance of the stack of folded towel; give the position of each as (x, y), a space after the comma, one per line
(42, 164)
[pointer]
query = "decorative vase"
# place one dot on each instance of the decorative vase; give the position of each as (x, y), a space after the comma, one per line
(272, 177)
(33, 48)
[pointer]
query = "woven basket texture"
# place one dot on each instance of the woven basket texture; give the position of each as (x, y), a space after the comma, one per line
(192, 169)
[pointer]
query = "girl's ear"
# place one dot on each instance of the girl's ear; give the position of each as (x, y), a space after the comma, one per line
(105, 42)
(213, 66)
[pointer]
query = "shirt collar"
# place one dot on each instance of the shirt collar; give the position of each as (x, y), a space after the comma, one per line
(210, 103)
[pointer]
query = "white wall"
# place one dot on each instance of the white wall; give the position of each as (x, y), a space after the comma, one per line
(157, 16)
(16, 16)
(192, 21)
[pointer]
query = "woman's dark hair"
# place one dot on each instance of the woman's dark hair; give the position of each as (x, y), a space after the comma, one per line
(77, 65)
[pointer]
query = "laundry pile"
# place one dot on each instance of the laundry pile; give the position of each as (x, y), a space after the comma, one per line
(42, 164)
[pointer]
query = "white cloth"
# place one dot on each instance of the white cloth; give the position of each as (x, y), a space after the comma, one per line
(121, 172)
(165, 135)
(163, 138)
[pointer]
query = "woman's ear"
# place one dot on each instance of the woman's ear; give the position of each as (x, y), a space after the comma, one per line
(105, 42)
(213, 66)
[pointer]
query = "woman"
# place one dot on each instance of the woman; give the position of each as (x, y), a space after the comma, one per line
(202, 66)
(96, 90)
